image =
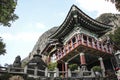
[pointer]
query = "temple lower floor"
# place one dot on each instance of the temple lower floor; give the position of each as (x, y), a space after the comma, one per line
(87, 61)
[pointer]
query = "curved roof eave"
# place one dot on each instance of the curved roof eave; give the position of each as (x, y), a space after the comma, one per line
(75, 8)
(61, 26)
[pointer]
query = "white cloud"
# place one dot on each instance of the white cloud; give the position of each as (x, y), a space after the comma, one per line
(59, 14)
(62, 14)
(35, 31)
(6, 36)
(40, 25)
(24, 36)
(100, 6)
(36, 26)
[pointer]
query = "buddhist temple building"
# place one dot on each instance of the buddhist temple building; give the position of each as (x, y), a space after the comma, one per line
(78, 40)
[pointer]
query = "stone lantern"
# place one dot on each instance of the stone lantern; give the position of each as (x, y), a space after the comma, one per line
(37, 63)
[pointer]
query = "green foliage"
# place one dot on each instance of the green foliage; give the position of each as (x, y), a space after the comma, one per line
(2, 47)
(73, 67)
(7, 8)
(96, 68)
(30, 78)
(24, 64)
(117, 4)
(106, 18)
(116, 36)
(52, 66)
(5, 76)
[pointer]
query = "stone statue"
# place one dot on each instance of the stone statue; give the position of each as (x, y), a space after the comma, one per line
(17, 62)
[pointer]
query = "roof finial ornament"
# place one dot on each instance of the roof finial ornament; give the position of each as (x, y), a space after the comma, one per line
(73, 8)
(78, 29)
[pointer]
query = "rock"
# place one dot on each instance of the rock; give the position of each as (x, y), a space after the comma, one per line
(41, 43)
(43, 40)
(107, 18)
(110, 19)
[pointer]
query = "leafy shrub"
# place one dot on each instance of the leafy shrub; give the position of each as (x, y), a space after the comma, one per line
(5, 76)
(73, 66)
(97, 68)
(52, 66)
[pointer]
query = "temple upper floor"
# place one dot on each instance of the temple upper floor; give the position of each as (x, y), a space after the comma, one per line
(76, 23)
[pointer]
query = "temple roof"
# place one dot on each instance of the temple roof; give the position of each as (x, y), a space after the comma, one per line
(76, 17)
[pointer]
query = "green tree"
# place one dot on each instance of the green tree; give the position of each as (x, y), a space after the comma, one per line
(96, 68)
(116, 36)
(117, 3)
(52, 66)
(2, 47)
(5, 76)
(73, 67)
(7, 15)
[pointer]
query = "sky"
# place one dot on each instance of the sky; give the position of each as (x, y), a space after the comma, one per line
(38, 16)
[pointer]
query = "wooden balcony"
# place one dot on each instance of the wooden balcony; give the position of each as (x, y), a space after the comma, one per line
(84, 41)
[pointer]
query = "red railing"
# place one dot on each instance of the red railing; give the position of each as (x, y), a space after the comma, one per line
(83, 40)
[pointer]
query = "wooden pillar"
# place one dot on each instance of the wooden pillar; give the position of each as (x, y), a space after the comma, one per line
(64, 50)
(102, 66)
(107, 48)
(56, 56)
(83, 61)
(67, 47)
(110, 48)
(93, 43)
(82, 39)
(98, 46)
(66, 69)
(63, 69)
(87, 40)
(61, 52)
(49, 59)
(76, 38)
(102, 47)
(71, 43)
